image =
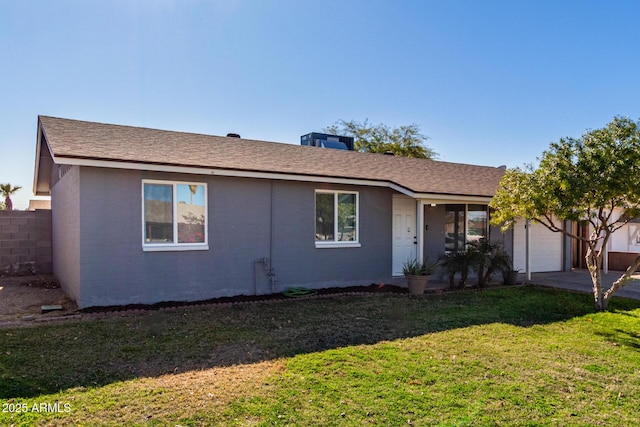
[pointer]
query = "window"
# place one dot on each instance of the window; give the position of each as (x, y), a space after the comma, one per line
(174, 216)
(464, 224)
(336, 219)
(476, 223)
(454, 228)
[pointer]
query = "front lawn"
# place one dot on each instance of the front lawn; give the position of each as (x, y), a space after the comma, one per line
(510, 356)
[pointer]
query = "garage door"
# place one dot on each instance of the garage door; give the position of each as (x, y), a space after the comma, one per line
(545, 246)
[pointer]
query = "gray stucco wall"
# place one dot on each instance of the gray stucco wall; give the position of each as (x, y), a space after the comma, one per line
(505, 239)
(115, 270)
(299, 262)
(65, 232)
(434, 235)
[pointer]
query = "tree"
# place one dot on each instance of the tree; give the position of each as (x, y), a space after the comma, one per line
(594, 179)
(7, 190)
(193, 189)
(405, 141)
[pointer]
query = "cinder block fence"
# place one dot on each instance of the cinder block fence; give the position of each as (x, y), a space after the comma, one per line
(25, 242)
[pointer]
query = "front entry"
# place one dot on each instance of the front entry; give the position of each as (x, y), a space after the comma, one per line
(404, 233)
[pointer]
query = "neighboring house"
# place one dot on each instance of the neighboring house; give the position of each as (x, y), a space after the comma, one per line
(624, 246)
(622, 249)
(142, 215)
(35, 204)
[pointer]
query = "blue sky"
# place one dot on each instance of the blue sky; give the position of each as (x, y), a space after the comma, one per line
(490, 82)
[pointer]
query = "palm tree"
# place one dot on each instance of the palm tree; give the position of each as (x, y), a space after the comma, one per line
(193, 189)
(7, 190)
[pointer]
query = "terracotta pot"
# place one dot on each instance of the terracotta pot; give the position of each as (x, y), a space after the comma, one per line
(417, 284)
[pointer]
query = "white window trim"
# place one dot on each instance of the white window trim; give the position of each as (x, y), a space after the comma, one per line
(161, 247)
(325, 244)
(336, 243)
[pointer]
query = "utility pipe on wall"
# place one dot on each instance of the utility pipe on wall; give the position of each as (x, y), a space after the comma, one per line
(266, 266)
(271, 272)
(267, 262)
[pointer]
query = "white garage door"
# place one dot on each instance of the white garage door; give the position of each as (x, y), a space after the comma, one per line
(545, 246)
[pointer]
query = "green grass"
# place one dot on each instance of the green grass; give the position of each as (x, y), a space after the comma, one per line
(510, 356)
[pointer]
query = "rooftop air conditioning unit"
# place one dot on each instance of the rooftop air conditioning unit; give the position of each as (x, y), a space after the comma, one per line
(325, 140)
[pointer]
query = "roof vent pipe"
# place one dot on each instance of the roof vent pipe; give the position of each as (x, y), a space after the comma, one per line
(233, 135)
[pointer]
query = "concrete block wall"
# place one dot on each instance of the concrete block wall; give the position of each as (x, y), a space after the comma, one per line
(25, 242)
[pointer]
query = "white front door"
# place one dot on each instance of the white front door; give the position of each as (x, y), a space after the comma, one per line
(404, 233)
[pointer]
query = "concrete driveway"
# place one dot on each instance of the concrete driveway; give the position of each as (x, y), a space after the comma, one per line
(580, 281)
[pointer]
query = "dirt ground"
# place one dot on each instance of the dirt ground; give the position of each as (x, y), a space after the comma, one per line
(21, 298)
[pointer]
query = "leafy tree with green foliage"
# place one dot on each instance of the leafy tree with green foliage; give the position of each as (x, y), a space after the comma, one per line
(593, 179)
(404, 141)
(7, 190)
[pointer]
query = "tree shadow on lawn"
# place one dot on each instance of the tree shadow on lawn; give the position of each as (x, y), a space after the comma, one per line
(624, 334)
(47, 359)
(621, 336)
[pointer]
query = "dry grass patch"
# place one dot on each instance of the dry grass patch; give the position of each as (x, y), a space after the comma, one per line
(174, 397)
(165, 400)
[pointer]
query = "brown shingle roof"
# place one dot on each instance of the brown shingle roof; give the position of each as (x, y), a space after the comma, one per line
(98, 141)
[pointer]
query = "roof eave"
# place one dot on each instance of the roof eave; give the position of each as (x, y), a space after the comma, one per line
(427, 197)
(441, 198)
(44, 160)
(207, 170)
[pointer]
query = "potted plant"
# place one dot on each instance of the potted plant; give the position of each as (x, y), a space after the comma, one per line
(417, 274)
(510, 276)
